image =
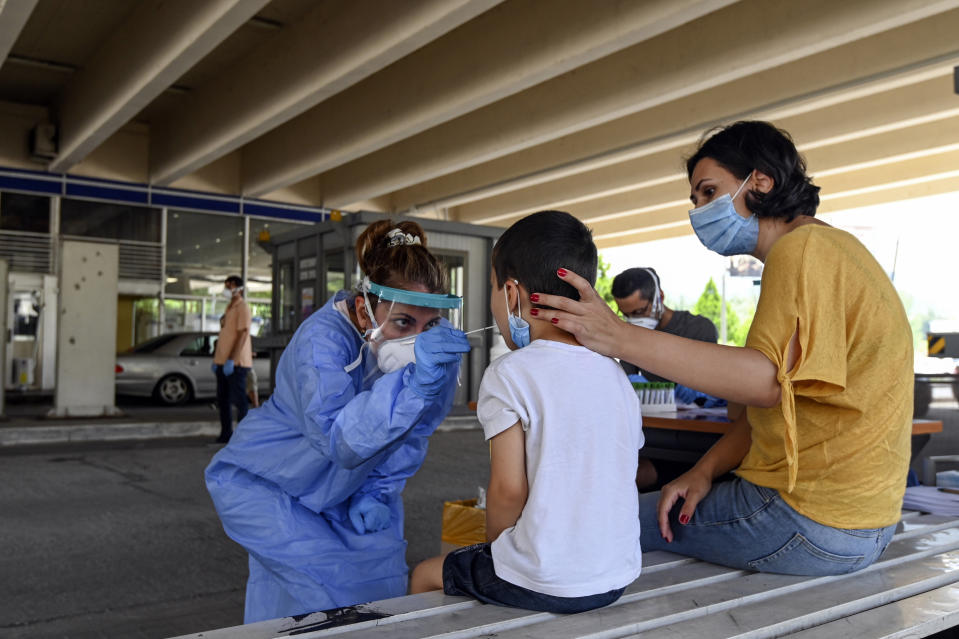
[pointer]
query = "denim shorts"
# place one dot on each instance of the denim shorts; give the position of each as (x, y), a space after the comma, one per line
(468, 571)
(750, 527)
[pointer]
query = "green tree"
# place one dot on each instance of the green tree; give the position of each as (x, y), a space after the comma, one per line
(604, 282)
(709, 304)
(919, 317)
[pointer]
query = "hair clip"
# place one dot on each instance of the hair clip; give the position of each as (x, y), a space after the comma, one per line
(397, 237)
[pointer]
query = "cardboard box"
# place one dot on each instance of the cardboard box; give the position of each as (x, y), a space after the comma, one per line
(463, 525)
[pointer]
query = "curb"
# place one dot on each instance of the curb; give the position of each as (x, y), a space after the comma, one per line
(132, 431)
(74, 433)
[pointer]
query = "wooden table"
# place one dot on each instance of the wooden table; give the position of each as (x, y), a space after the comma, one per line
(684, 435)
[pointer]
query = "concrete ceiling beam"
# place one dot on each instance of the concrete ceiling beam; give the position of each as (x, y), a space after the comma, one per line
(13, 17)
(881, 183)
(903, 107)
(685, 61)
(902, 56)
(928, 167)
(678, 224)
(159, 42)
(492, 57)
(881, 149)
(336, 45)
(860, 165)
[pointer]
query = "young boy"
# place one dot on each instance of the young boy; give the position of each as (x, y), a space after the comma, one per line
(564, 428)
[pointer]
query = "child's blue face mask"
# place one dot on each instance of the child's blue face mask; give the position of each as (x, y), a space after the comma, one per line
(721, 229)
(518, 327)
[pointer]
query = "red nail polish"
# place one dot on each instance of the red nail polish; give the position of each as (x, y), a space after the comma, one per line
(534, 311)
(555, 320)
(684, 519)
(534, 297)
(561, 272)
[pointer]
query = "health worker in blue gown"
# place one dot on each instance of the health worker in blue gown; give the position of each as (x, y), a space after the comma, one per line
(310, 483)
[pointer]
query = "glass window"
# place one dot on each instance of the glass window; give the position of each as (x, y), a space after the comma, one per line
(202, 251)
(456, 267)
(26, 315)
(151, 345)
(111, 221)
(201, 346)
(259, 285)
(335, 278)
(185, 315)
(146, 319)
(285, 322)
(24, 213)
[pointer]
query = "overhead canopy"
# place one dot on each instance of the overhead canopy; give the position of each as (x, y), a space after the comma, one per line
(482, 110)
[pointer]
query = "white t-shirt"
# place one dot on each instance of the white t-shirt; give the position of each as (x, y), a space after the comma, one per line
(578, 534)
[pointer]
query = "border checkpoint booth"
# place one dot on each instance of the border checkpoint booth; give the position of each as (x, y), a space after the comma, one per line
(311, 264)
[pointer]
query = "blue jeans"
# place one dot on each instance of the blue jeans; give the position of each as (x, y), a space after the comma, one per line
(745, 526)
(469, 572)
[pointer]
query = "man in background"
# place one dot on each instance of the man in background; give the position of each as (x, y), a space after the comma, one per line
(640, 300)
(233, 357)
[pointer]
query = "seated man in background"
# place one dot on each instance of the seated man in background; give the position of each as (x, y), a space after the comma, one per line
(640, 299)
(641, 302)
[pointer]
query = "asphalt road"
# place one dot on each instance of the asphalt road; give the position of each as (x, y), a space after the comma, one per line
(124, 542)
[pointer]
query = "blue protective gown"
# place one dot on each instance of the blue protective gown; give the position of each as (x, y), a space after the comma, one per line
(326, 437)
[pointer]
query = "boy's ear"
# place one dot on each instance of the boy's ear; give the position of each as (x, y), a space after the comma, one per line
(512, 294)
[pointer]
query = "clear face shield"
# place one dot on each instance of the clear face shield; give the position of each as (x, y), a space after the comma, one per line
(409, 314)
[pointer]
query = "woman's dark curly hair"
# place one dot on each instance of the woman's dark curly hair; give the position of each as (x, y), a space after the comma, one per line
(743, 147)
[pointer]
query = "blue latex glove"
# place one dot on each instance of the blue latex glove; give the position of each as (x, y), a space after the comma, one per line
(438, 352)
(368, 514)
(228, 367)
(213, 368)
(686, 395)
(636, 379)
(708, 401)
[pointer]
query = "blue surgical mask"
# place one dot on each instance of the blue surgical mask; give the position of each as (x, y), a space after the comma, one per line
(518, 327)
(721, 229)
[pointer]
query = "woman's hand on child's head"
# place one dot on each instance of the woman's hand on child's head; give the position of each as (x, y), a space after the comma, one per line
(590, 320)
(692, 486)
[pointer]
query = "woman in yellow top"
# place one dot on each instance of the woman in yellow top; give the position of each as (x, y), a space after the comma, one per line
(822, 449)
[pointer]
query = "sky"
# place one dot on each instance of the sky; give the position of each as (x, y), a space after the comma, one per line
(915, 241)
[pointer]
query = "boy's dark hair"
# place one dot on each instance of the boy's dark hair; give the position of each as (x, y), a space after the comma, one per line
(235, 280)
(635, 279)
(535, 247)
(743, 147)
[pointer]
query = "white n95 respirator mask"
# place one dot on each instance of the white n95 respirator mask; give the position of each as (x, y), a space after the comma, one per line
(645, 322)
(393, 354)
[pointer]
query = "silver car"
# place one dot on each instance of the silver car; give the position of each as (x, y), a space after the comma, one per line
(175, 368)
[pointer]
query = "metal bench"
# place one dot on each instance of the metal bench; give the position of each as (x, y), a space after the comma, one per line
(912, 591)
